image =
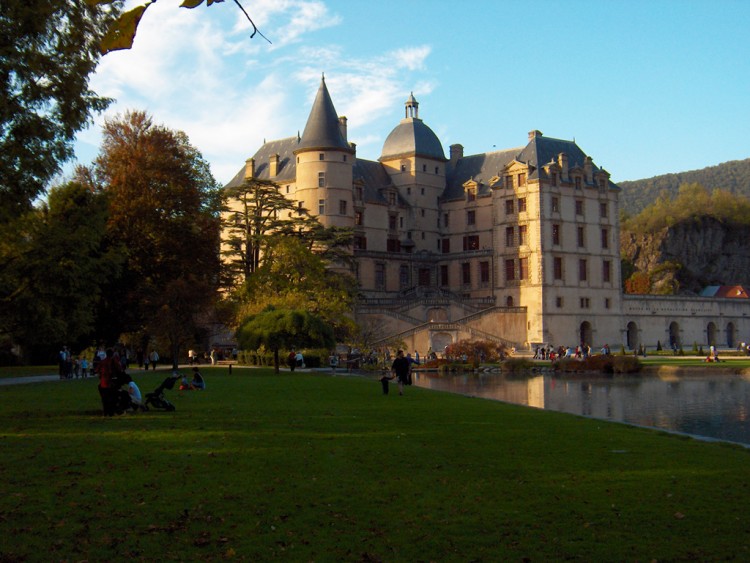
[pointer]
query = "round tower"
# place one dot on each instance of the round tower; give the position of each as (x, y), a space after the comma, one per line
(325, 163)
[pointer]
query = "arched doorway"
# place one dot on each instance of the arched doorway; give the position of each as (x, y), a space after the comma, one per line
(586, 333)
(509, 301)
(438, 342)
(711, 334)
(632, 336)
(674, 335)
(731, 342)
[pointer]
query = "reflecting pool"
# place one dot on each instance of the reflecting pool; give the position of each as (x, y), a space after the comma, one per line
(705, 405)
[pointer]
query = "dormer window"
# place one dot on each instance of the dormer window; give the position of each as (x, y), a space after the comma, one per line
(471, 194)
(578, 182)
(553, 178)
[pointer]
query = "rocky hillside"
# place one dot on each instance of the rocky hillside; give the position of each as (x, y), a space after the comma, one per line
(732, 176)
(690, 255)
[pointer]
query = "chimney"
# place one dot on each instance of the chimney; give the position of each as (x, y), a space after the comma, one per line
(274, 166)
(534, 133)
(562, 161)
(457, 153)
(249, 168)
(588, 170)
(342, 126)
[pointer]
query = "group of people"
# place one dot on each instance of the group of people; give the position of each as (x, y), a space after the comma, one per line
(553, 353)
(197, 384)
(118, 391)
(401, 369)
(295, 360)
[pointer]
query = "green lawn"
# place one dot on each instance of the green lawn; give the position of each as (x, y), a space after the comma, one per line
(318, 468)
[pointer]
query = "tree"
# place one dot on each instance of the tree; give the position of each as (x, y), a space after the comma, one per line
(48, 50)
(253, 213)
(53, 262)
(294, 277)
(164, 209)
(284, 328)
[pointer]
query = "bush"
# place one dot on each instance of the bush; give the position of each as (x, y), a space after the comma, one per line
(600, 363)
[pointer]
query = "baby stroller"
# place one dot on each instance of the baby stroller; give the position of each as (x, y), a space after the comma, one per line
(156, 398)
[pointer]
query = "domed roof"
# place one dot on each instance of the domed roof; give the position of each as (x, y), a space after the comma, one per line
(412, 137)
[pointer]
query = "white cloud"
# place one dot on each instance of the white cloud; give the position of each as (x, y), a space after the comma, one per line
(191, 70)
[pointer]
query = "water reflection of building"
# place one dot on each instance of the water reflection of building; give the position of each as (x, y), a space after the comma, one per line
(713, 406)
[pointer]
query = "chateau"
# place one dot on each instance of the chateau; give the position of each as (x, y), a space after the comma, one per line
(519, 246)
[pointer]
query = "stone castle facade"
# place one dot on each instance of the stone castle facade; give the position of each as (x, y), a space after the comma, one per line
(519, 246)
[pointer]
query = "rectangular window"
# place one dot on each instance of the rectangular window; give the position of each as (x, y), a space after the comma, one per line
(471, 242)
(444, 275)
(578, 182)
(523, 269)
(510, 239)
(471, 194)
(605, 238)
(603, 210)
(321, 179)
(510, 270)
(466, 273)
(392, 221)
(581, 238)
(522, 179)
(484, 272)
(471, 217)
(321, 207)
(555, 204)
(403, 276)
(379, 275)
(358, 217)
(522, 205)
(557, 268)
(446, 245)
(579, 207)
(360, 242)
(522, 239)
(556, 235)
(424, 168)
(358, 192)
(391, 198)
(446, 223)
(585, 302)
(321, 156)
(582, 270)
(509, 207)
(559, 302)
(342, 207)
(606, 271)
(393, 245)
(606, 303)
(509, 182)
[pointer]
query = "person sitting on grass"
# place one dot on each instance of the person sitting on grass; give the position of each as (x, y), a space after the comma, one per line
(198, 382)
(185, 384)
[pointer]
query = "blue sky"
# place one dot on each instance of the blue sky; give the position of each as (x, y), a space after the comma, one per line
(644, 87)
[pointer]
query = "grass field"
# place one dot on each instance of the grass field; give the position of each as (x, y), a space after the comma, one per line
(311, 467)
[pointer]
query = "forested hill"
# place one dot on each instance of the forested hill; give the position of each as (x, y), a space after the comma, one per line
(732, 176)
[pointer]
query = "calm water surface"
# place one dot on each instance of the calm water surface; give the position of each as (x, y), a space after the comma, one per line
(709, 406)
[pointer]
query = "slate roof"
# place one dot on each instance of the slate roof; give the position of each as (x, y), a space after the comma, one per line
(287, 162)
(537, 153)
(374, 177)
(479, 167)
(322, 130)
(412, 137)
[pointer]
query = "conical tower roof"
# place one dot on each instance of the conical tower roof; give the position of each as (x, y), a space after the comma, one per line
(322, 130)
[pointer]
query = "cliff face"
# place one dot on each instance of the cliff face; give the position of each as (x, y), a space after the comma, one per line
(690, 255)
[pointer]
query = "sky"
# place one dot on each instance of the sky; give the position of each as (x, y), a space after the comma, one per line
(645, 87)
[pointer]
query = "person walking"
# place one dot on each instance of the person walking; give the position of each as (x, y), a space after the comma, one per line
(401, 368)
(154, 358)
